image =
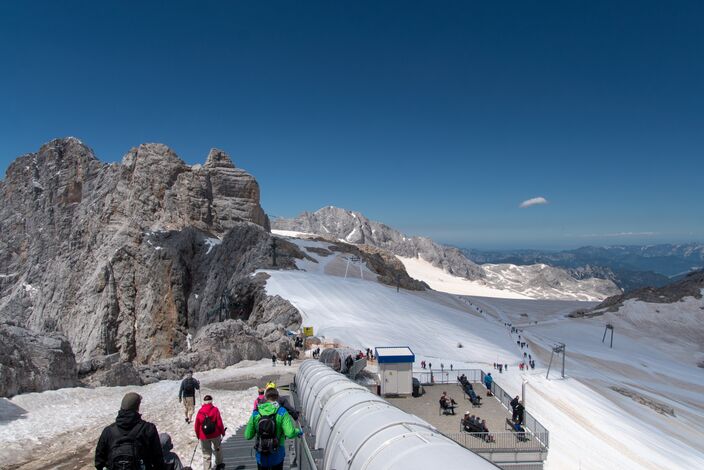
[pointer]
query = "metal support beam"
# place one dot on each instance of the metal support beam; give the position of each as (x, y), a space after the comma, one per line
(557, 349)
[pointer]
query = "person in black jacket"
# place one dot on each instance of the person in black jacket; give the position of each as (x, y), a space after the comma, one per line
(127, 437)
(514, 404)
(187, 392)
(518, 413)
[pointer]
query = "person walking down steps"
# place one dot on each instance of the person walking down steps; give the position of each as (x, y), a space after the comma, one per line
(187, 394)
(210, 431)
(171, 460)
(130, 443)
(271, 424)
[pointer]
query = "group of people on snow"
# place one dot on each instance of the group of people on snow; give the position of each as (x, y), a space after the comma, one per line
(288, 359)
(131, 443)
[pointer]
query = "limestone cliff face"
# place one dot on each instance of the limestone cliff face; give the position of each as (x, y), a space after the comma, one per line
(128, 258)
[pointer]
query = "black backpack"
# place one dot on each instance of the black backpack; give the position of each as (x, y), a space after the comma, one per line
(208, 425)
(267, 441)
(125, 449)
(189, 386)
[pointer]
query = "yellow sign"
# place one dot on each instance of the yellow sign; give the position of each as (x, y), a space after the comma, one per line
(307, 331)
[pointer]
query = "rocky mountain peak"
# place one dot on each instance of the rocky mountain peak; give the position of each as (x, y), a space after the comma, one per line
(152, 154)
(218, 159)
(125, 258)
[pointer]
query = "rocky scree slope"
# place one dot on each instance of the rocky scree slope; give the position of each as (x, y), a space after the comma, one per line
(690, 286)
(123, 261)
(537, 281)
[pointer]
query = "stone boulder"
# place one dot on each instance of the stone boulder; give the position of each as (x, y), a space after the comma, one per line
(33, 362)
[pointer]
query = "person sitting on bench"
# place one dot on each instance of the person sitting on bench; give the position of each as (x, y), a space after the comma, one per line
(447, 404)
(463, 380)
(467, 422)
(520, 431)
(487, 437)
(474, 398)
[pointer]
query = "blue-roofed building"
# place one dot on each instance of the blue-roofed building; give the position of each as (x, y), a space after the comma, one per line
(395, 369)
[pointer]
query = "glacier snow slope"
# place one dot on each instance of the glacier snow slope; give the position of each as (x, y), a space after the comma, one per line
(591, 425)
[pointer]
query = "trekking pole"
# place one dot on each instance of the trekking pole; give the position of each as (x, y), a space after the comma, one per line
(193, 456)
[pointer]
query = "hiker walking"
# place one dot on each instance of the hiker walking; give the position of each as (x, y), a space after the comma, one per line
(289, 358)
(187, 394)
(271, 425)
(273, 360)
(130, 442)
(210, 431)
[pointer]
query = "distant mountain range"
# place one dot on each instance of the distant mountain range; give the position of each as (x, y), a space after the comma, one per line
(629, 266)
(537, 281)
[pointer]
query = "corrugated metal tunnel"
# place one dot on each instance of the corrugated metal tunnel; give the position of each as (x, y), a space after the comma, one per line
(359, 430)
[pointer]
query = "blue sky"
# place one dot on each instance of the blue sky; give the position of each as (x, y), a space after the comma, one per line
(438, 118)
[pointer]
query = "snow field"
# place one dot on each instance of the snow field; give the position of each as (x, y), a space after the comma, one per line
(591, 426)
(57, 422)
(441, 281)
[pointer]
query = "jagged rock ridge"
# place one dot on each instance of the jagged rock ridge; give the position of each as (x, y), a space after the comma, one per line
(353, 227)
(125, 260)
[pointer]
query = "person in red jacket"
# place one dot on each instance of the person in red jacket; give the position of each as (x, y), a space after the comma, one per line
(210, 431)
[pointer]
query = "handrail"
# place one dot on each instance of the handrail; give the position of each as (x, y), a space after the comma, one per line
(503, 441)
(305, 458)
(529, 421)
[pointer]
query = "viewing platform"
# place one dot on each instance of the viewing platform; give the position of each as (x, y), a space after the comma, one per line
(506, 447)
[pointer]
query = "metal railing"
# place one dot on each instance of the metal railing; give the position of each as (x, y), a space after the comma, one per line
(302, 457)
(505, 441)
(357, 367)
(529, 422)
(447, 376)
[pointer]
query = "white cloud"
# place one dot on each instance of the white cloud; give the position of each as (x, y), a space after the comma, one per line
(533, 202)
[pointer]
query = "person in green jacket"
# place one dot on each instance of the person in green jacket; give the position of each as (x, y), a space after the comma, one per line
(271, 425)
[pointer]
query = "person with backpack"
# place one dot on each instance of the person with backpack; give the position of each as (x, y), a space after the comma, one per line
(187, 392)
(171, 460)
(283, 401)
(130, 443)
(271, 425)
(210, 431)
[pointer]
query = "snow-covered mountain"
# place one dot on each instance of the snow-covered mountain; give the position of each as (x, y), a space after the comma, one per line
(629, 266)
(353, 227)
(535, 281)
(540, 281)
(674, 311)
